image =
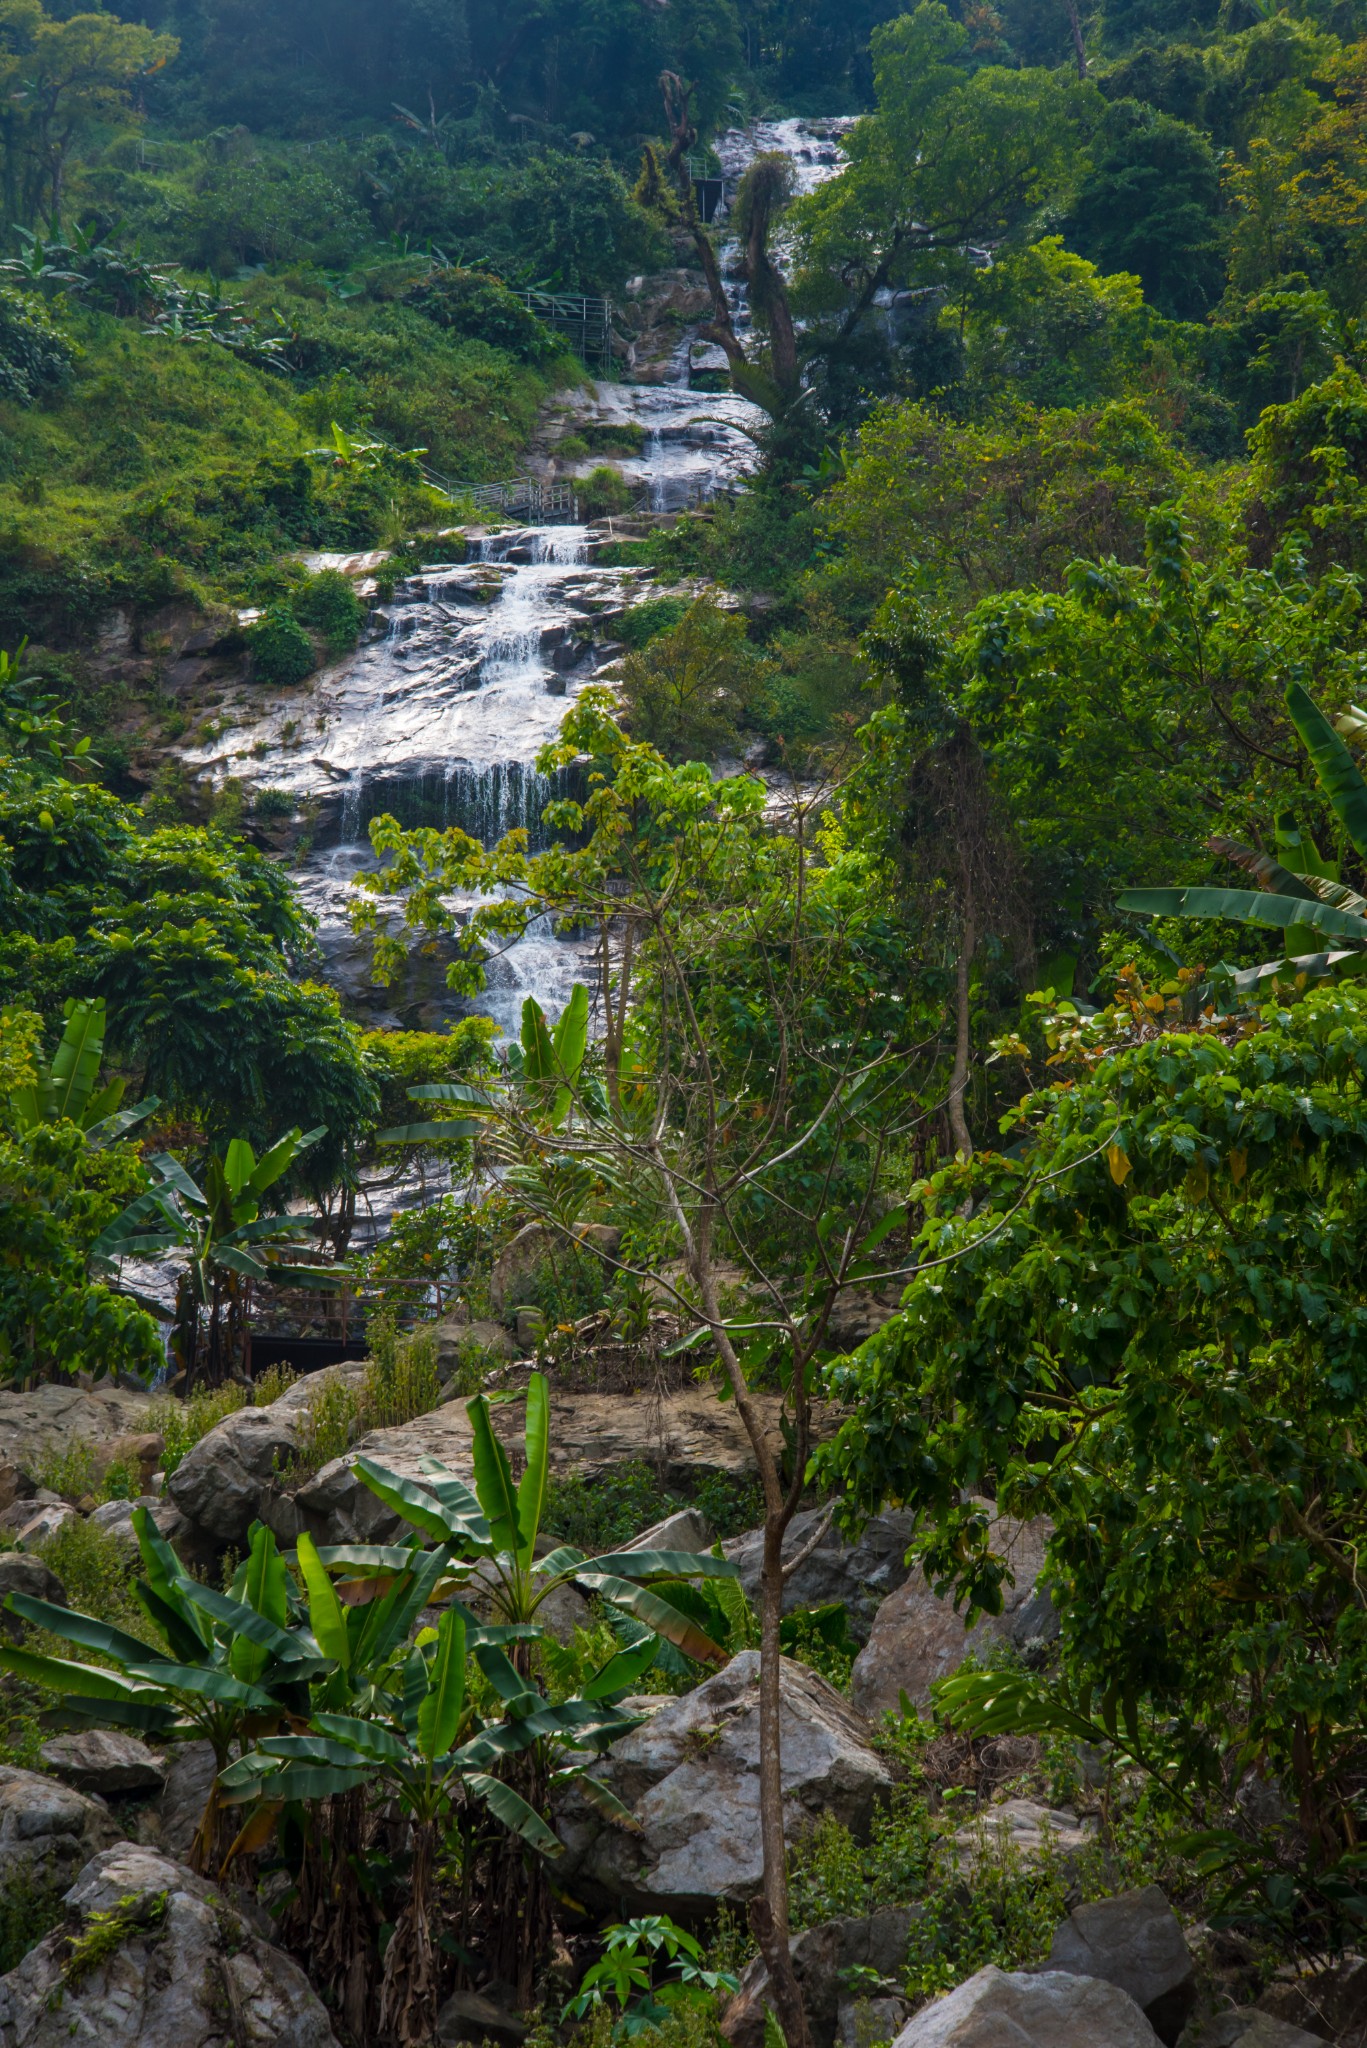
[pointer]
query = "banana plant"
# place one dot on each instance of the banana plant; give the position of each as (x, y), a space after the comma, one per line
(423, 1745)
(229, 1242)
(66, 1087)
(233, 1665)
(1300, 893)
(492, 1531)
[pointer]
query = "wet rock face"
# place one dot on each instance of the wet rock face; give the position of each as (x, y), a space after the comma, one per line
(690, 1776)
(187, 1971)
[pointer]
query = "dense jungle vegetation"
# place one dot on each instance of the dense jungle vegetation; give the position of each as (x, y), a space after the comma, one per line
(1014, 993)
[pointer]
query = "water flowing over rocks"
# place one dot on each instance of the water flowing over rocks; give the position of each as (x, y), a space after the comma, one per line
(690, 1776)
(189, 1971)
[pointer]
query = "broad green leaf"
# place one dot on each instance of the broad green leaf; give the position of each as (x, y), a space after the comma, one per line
(448, 1091)
(531, 1492)
(571, 1034)
(180, 1633)
(165, 1573)
(1246, 906)
(1266, 872)
(326, 1616)
(389, 1621)
(1338, 773)
(439, 1716)
(370, 1737)
(80, 1628)
(493, 1478)
(300, 1781)
(621, 1671)
(662, 1564)
(429, 1133)
(206, 1682)
(507, 1681)
(414, 1503)
(282, 1156)
(76, 1062)
(512, 1810)
(65, 1675)
(657, 1614)
(239, 1164)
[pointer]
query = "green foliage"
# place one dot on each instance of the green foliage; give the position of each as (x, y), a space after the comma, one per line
(471, 303)
(626, 1971)
(181, 1424)
(106, 1932)
(644, 622)
(29, 1910)
(35, 357)
(1149, 206)
(1188, 1166)
(98, 1571)
(281, 650)
(690, 689)
(327, 602)
(604, 491)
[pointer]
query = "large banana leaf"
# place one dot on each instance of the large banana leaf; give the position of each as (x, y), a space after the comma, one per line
(452, 1492)
(76, 1062)
(170, 1622)
(414, 1503)
(389, 1621)
(439, 1716)
(493, 1478)
(146, 1225)
(371, 1738)
(448, 1091)
(512, 1810)
(1338, 772)
(282, 1155)
(107, 1130)
(428, 1133)
(1266, 872)
(1246, 906)
(327, 1617)
(207, 1682)
(657, 1614)
(248, 1626)
(260, 1585)
(65, 1675)
(100, 1636)
(166, 1574)
(531, 1492)
(662, 1564)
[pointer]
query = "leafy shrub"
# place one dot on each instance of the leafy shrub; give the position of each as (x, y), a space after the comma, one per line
(328, 602)
(401, 1378)
(281, 650)
(181, 1424)
(605, 491)
(598, 1515)
(98, 1570)
(472, 303)
(643, 623)
(34, 356)
(613, 437)
(269, 805)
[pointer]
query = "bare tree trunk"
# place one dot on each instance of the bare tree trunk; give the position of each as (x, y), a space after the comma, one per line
(958, 1123)
(1079, 47)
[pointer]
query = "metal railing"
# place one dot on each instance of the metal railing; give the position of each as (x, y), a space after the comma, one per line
(539, 503)
(585, 323)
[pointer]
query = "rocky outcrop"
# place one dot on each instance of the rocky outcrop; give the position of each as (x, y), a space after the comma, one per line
(997, 2009)
(685, 1436)
(860, 1575)
(105, 1761)
(232, 1477)
(690, 1777)
(917, 1637)
(824, 1959)
(1134, 1940)
(47, 1831)
(658, 308)
(1021, 1831)
(189, 1780)
(47, 1421)
(1248, 2030)
(20, 1573)
(186, 1970)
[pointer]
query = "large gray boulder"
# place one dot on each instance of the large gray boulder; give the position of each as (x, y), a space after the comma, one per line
(917, 1637)
(48, 1420)
(48, 1831)
(21, 1573)
(190, 1773)
(231, 1477)
(1134, 1940)
(105, 1761)
(189, 1971)
(860, 1575)
(997, 2009)
(690, 1778)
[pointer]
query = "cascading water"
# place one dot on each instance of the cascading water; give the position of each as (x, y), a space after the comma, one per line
(439, 716)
